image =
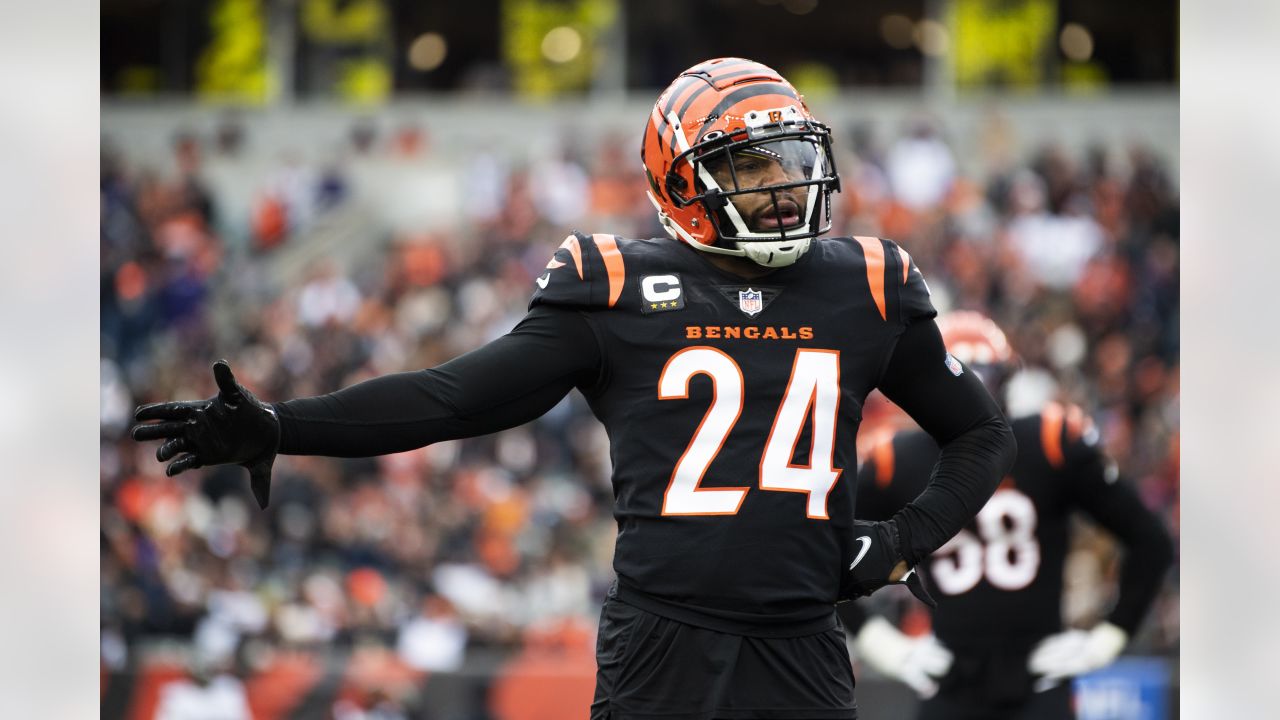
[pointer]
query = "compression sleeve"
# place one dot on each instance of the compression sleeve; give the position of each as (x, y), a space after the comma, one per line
(505, 383)
(977, 443)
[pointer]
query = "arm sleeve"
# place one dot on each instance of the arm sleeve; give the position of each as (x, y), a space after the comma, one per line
(976, 441)
(1114, 505)
(506, 383)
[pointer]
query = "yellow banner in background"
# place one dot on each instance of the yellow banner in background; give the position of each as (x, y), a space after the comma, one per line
(1002, 43)
(233, 66)
(360, 31)
(553, 48)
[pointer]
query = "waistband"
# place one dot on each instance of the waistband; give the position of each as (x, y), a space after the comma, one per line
(820, 619)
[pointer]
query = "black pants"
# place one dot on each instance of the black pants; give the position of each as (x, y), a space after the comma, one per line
(993, 683)
(655, 668)
(1054, 704)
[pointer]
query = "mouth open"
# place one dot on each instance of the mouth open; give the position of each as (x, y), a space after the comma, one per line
(784, 215)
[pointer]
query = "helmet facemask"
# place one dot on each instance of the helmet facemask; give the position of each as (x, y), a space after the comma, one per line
(779, 167)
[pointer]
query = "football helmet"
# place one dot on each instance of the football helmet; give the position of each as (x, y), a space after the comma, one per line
(975, 340)
(737, 165)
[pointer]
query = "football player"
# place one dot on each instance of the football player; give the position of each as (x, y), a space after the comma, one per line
(999, 649)
(728, 365)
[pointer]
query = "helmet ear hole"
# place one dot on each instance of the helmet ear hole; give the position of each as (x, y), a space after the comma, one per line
(676, 183)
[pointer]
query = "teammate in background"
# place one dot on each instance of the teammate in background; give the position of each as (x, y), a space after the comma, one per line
(999, 649)
(729, 369)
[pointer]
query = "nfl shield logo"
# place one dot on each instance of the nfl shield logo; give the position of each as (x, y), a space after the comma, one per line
(750, 301)
(953, 365)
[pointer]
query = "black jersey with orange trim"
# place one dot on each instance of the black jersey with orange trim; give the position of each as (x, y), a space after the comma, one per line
(732, 407)
(1000, 580)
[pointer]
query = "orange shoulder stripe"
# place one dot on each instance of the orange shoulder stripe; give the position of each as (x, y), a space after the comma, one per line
(906, 264)
(612, 257)
(1075, 423)
(873, 251)
(1051, 433)
(882, 453)
(575, 251)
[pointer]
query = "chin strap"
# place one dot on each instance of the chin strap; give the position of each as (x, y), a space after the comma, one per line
(775, 254)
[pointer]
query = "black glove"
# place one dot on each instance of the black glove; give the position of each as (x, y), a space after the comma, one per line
(876, 544)
(230, 427)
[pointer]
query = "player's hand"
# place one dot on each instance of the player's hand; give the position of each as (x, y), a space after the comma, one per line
(230, 427)
(919, 662)
(877, 560)
(1075, 652)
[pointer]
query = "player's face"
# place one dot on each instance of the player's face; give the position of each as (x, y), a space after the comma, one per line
(762, 166)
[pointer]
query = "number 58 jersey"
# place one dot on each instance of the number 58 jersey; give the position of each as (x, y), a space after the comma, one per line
(999, 581)
(732, 407)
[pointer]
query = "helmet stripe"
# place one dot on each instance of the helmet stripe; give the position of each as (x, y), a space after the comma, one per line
(750, 91)
(713, 70)
(720, 78)
(698, 85)
(689, 101)
(683, 85)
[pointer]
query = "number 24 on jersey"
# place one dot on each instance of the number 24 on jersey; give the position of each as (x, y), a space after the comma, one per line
(812, 392)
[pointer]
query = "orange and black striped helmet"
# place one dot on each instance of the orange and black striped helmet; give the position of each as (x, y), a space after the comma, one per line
(736, 163)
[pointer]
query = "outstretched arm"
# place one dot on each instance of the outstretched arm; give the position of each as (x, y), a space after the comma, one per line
(506, 383)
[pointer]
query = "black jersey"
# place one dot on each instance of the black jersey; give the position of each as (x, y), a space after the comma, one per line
(1000, 579)
(732, 407)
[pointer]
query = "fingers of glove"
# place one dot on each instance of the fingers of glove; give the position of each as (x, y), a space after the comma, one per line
(924, 686)
(159, 431)
(228, 388)
(916, 586)
(179, 410)
(260, 483)
(1043, 660)
(182, 464)
(1057, 654)
(1045, 684)
(171, 448)
(934, 659)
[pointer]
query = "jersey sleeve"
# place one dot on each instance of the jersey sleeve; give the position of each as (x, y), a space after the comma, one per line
(586, 272)
(505, 383)
(914, 301)
(896, 284)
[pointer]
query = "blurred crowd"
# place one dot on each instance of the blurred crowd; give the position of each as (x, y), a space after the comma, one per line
(493, 541)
